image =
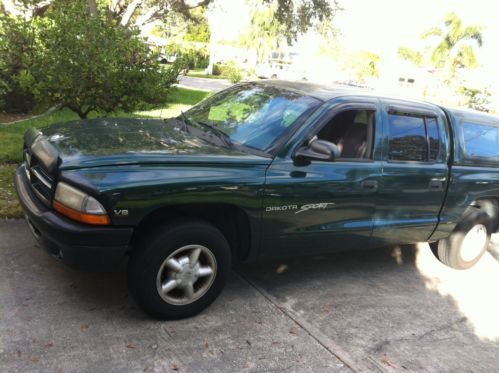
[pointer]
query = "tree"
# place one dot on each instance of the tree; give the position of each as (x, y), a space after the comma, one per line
(409, 54)
(297, 16)
(476, 99)
(456, 43)
(364, 65)
(275, 22)
(265, 33)
(25, 9)
(16, 51)
(125, 13)
(454, 46)
(198, 29)
(87, 64)
(288, 18)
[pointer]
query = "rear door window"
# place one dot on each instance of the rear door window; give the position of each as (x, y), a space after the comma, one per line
(407, 138)
(481, 140)
(433, 139)
(413, 138)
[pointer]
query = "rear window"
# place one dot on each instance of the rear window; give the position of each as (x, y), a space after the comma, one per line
(480, 140)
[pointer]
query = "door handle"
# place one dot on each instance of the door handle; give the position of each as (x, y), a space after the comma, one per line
(371, 185)
(436, 183)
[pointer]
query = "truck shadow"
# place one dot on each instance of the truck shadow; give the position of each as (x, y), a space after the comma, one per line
(375, 306)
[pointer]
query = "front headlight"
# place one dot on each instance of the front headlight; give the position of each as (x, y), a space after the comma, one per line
(78, 205)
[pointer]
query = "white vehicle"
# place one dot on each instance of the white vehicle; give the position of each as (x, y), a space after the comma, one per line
(280, 70)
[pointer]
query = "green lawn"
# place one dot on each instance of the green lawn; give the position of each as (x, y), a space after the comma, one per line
(9, 205)
(11, 139)
(11, 136)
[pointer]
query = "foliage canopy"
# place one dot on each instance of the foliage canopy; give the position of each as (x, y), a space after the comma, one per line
(78, 59)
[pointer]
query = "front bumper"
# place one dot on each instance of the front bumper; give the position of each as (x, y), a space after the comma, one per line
(77, 245)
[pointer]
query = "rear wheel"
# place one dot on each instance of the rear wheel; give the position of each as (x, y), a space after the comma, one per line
(179, 270)
(467, 243)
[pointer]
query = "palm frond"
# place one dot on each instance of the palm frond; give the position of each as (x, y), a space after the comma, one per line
(435, 31)
(465, 57)
(454, 28)
(411, 55)
(440, 55)
(473, 33)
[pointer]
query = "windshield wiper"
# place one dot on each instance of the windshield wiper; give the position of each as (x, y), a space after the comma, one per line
(220, 134)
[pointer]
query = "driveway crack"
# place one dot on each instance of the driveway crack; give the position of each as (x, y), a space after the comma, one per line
(381, 345)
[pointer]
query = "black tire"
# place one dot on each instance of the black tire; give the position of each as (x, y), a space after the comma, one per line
(450, 250)
(152, 251)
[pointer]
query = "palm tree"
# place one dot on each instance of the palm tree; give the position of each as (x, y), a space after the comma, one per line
(455, 44)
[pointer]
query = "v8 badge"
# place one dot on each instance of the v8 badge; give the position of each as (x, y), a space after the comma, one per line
(121, 213)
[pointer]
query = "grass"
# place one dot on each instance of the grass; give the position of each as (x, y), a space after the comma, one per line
(11, 136)
(9, 205)
(11, 139)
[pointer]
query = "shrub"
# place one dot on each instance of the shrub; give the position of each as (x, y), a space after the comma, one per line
(173, 49)
(230, 70)
(4, 89)
(194, 58)
(476, 99)
(17, 50)
(78, 60)
(155, 88)
(89, 64)
(197, 58)
(216, 69)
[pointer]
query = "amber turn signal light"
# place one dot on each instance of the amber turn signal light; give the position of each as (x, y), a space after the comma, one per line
(81, 216)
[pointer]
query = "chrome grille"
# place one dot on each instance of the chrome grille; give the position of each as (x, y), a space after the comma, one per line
(41, 181)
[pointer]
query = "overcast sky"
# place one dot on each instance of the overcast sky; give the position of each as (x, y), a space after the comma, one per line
(381, 26)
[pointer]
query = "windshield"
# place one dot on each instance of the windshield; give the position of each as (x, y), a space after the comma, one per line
(253, 115)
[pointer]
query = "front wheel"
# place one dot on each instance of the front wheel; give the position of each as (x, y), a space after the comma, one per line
(179, 270)
(467, 243)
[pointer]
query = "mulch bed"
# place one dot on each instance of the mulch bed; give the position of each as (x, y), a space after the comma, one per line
(8, 117)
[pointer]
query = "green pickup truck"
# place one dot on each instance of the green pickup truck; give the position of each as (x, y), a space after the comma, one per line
(259, 169)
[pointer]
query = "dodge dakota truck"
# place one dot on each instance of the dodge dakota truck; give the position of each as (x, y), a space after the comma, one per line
(259, 169)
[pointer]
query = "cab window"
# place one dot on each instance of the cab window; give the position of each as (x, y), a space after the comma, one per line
(352, 132)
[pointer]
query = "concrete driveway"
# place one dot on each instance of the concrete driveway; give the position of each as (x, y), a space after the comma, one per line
(392, 309)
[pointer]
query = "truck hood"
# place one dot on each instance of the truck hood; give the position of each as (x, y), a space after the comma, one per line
(115, 141)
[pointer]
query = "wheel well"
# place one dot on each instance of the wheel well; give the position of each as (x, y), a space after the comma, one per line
(231, 220)
(490, 205)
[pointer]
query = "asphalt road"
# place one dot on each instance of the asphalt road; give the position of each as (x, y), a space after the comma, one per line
(203, 84)
(391, 309)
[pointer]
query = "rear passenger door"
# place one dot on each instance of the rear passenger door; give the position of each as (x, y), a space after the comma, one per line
(414, 173)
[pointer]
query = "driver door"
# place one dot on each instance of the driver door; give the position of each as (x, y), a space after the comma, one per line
(325, 206)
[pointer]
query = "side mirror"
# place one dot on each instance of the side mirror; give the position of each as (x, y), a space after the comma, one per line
(319, 150)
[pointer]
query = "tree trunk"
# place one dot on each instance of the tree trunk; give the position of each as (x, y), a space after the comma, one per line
(129, 12)
(92, 7)
(78, 110)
